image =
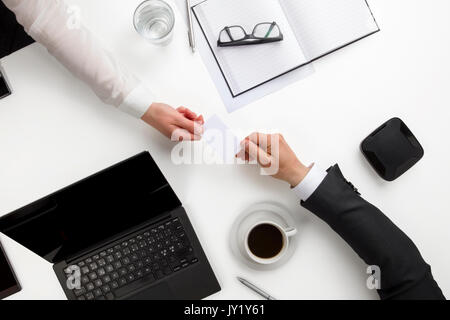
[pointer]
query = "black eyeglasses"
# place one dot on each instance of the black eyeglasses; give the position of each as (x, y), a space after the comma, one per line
(265, 32)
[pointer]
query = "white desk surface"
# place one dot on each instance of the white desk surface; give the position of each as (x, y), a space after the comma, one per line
(54, 131)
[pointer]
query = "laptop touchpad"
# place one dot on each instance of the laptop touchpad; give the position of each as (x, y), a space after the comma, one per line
(160, 291)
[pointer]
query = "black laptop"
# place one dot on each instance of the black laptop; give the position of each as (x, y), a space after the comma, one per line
(119, 234)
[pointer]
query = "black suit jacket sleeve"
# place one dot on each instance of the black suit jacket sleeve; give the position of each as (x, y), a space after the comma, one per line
(404, 273)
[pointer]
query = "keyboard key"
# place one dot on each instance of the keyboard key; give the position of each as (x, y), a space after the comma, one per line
(176, 268)
(131, 267)
(106, 289)
(80, 298)
(123, 271)
(109, 268)
(79, 292)
(114, 285)
(81, 264)
(110, 250)
(184, 265)
(118, 255)
(194, 260)
(88, 260)
(126, 251)
(139, 274)
(89, 296)
(101, 262)
(159, 274)
(147, 270)
(96, 257)
(98, 293)
(115, 275)
(84, 270)
(90, 286)
(124, 244)
(130, 277)
(98, 283)
(103, 254)
(106, 279)
(101, 272)
(126, 260)
(92, 276)
(84, 279)
(110, 259)
(93, 266)
(117, 264)
(122, 281)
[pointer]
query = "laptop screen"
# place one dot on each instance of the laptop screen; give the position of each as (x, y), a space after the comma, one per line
(92, 210)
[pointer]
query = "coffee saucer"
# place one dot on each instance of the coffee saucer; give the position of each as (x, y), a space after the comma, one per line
(261, 211)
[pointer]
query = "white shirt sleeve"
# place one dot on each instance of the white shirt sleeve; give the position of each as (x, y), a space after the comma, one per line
(310, 183)
(51, 23)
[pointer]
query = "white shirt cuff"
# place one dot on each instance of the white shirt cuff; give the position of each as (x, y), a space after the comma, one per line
(310, 183)
(137, 102)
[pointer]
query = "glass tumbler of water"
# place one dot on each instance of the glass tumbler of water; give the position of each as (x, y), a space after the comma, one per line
(154, 20)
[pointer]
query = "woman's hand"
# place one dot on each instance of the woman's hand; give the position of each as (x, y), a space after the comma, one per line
(179, 124)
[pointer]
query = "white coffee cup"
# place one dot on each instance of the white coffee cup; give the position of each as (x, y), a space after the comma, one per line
(285, 233)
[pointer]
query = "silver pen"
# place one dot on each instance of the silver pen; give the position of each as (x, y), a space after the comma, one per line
(191, 26)
(256, 289)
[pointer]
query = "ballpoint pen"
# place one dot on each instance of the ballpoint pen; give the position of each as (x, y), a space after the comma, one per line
(256, 289)
(191, 26)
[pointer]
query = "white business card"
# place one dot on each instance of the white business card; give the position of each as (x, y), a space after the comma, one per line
(221, 139)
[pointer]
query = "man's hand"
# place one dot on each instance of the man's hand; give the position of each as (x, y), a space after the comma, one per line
(179, 124)
(269, 149)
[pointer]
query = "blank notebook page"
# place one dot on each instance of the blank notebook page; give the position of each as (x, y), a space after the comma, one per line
(246, 67)
(322, 26)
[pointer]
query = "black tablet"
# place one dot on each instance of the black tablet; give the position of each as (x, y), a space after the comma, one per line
(8, 281)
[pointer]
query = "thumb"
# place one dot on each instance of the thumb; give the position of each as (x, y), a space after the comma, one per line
(257, 153)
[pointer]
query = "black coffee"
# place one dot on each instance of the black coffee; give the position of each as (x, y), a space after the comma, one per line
(265, 241)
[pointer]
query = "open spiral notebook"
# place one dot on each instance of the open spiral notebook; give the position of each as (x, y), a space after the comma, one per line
(311, 29)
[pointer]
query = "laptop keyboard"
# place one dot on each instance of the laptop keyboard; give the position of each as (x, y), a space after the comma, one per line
(153, 254)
